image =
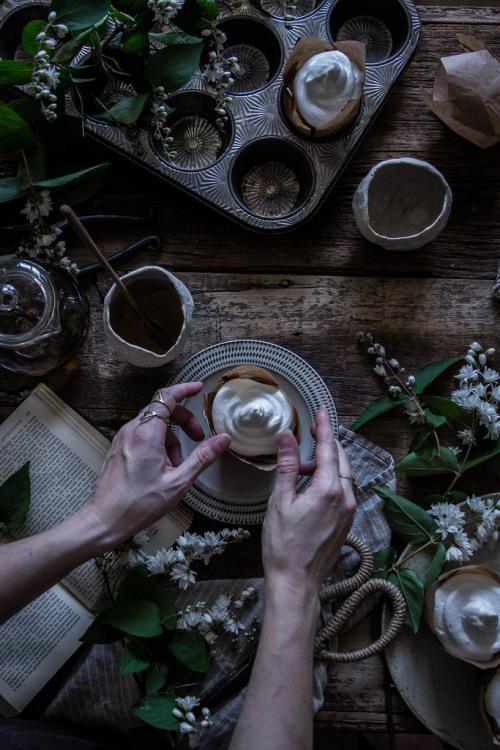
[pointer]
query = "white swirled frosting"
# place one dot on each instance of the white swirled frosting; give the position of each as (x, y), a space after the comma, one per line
(466, 616)
(253, 414)
(324, 85)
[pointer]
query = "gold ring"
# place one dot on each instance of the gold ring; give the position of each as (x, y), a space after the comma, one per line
(158, 398)
(343, 476)
(150, 414)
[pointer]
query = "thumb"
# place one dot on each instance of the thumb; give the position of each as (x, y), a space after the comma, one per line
(203, 456)
(288, 464)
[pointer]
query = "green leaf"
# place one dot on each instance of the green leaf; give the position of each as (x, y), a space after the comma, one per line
(412, 588)
(156, 676)
(137, 42)
(426, 502)
(127, 110)
(9, 190)
(36, 160)
(434, 420)
(191, 650)
(28, 109)
(172, 67)
(135, 658)
(454, 413)
(429, 373)
(379, 406)
(383, 560)
(426, 462)
(77, 15)
(141, 618)
(412, 523)
(175, 37)
(436, 565)
(419, 438)
(68, 50)
(196, 15)
(15, 72)
(99, 632)
(156, 709)
(14, 130)
(30, 32)
(76, 187)
(15, 494)
(484, 451)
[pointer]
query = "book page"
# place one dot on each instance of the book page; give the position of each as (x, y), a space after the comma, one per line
(36, 642)
(66, 454)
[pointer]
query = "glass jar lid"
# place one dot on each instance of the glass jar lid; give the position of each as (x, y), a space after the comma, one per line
(27, 303)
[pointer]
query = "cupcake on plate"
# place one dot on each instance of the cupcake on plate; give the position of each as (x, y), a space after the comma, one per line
(250, 406)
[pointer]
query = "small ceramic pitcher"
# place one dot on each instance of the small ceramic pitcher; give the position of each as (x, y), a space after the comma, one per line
(163, 298)
(402, 204)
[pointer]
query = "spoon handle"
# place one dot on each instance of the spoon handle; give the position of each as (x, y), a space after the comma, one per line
(80, 230)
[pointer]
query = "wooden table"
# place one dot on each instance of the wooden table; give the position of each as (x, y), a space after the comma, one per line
(311, 291)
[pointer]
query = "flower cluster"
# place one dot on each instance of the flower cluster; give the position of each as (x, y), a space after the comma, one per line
(43, 240)
(220, 72)
(165, 10)
(184, 712)
(465, 529)
(189, 548)
(45, 76)
(160, 112)
(479, 394)
(209, 622)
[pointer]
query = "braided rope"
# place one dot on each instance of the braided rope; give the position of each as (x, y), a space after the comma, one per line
(359, 587)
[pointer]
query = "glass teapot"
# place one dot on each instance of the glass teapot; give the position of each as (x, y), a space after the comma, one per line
(43, 315)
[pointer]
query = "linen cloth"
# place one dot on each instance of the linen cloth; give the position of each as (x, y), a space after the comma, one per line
(95, 693)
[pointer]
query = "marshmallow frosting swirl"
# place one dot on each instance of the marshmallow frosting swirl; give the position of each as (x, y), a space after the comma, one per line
(466, 616)
(254, 414)
(324, 85)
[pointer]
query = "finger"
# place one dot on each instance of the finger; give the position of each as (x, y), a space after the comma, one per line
(203, 456)
(173, 448)
(327, 460)
(345, 469)
(186, 420)
(288, 463)
(307, 468)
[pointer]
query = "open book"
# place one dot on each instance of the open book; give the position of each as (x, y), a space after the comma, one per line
(66, 453)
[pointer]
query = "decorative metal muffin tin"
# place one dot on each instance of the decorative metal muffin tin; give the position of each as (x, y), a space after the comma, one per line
(259, 171)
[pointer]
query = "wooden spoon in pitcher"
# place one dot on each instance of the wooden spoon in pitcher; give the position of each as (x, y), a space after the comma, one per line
(154, 329)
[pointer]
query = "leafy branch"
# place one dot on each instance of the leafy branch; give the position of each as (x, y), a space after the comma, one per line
(446, 526)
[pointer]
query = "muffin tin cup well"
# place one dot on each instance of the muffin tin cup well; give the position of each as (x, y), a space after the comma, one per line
(227, 169)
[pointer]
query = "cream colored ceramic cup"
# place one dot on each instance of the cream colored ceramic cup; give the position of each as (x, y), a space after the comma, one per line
(163, 298)
(402, 204)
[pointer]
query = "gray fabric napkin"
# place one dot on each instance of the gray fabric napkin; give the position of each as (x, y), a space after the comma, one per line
(96, 694)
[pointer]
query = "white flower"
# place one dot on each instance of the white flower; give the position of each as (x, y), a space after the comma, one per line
(182, 575)
(467, 437)
(490, 376)
(188, 702)
(31, 211)
(449, 518)
(414, 412)
(186, 728)
(141, 538)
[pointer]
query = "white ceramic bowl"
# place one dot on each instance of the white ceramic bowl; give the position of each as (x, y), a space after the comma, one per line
(166, 299)
(402, 204)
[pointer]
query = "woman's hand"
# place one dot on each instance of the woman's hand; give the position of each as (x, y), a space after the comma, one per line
(143, 477)
(303, 534)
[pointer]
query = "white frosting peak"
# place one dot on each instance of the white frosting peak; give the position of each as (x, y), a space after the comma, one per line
(324, 85)
(467, 616)
(253, 414)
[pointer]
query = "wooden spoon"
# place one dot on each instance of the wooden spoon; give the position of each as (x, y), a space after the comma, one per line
(158, 335)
